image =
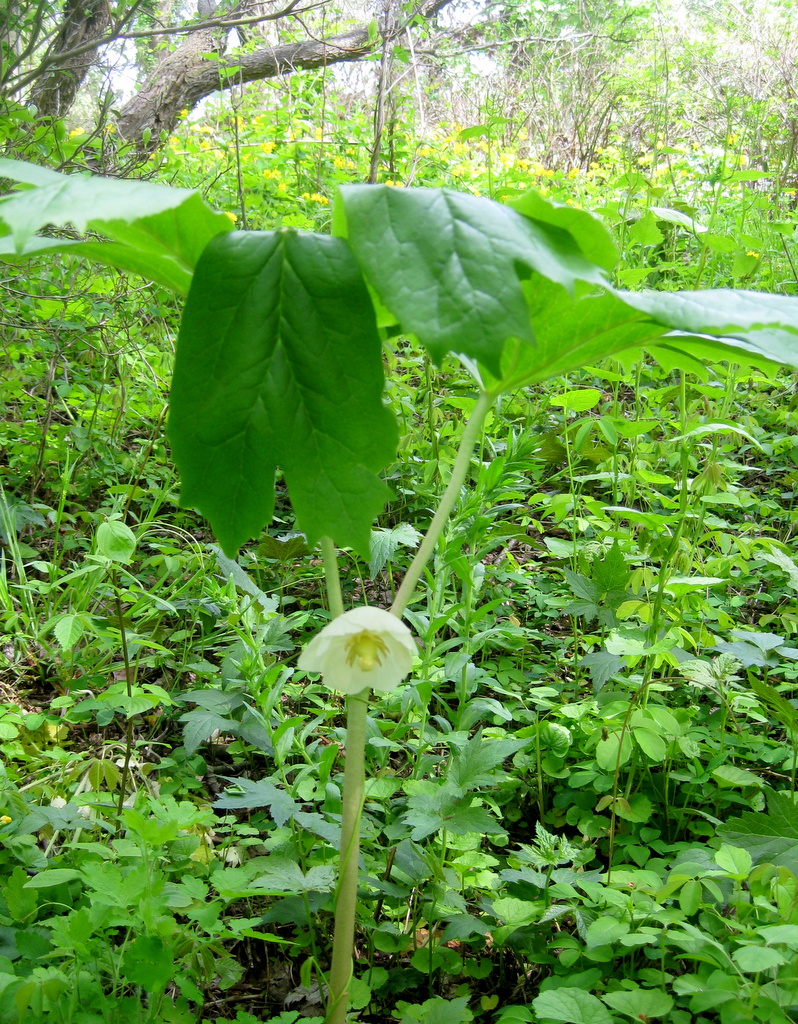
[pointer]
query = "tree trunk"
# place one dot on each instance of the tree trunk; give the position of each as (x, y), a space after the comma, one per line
(84, 22)
(186, 76)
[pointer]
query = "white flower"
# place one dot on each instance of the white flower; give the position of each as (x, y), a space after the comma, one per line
(363, 647)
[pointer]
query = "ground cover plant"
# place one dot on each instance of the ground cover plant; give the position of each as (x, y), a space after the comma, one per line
(579, 805)
(293, 293)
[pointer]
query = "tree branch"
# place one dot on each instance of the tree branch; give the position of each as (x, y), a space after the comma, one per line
(187, 75)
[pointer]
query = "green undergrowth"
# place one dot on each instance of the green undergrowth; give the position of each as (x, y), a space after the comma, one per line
(563, 822)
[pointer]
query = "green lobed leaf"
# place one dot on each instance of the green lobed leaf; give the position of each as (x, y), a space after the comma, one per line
(279, 364)
(572, 330)
(768, 837)
(259, 794)
(448, 266)
(473, 765)
(148, 962)
(745, 322)
(385, 541)
(590, 234)
(157, 231)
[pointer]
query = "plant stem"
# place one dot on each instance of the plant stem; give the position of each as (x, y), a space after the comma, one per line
(357, 714)
(346, 897)
(332, 580)
(459, 472)
(129, 683)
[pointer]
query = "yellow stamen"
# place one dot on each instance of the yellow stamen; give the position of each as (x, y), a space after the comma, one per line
(367, 649)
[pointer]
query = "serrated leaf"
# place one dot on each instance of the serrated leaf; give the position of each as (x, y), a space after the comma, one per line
(784, 711)
(448, 265)
(156, 231)
(279, 363)
(149, 962)
(473, 764)
(582, 586)
(283, 875)
(68, 630)
(602, 666)
(610, 572)
(259, 794)
(199, 725)
(458, 816)
(386, 541)
(283, 549)
(768, 837)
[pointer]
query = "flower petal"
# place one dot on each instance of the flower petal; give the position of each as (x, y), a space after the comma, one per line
(364, 647)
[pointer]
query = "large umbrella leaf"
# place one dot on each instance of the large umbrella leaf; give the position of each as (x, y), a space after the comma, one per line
(572, 330)
(278, 364)
(449, 266)
(160, 231)
(749, 322)
(591, 236)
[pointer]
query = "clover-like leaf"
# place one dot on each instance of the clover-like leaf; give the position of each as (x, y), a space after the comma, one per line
(278, 364)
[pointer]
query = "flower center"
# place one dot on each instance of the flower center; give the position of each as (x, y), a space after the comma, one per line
(367, 649)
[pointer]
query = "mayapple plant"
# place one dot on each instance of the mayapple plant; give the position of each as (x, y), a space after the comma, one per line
(279, 365)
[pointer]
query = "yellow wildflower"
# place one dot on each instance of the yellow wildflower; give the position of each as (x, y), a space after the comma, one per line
(756, 255)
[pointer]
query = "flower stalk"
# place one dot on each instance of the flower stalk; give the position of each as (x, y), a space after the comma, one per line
(449, 499)
(360, 650)
(346, 895)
